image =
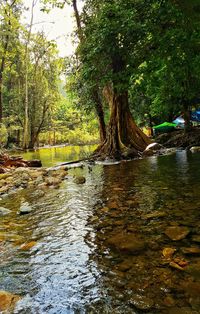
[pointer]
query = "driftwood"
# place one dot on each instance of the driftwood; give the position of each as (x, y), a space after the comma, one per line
(7, 162)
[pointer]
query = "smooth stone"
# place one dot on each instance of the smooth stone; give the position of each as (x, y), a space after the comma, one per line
(4, 211)
(191, 251)
(38, 194)
(141, 302)
(193, 289)
(196, 238)
(25, 208)
(79, 180)
(177, 233)
(27, 246)
(8, 301)
(155, 214)
(194, 270)
(168, 252)
(195, 149)
(127, 243)
(182, 310)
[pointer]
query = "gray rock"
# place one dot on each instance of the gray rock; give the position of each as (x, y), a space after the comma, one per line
(79, 180)
(142, 302)
(4, 211)
(25, 208)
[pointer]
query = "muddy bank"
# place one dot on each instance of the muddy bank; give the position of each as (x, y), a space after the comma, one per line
(180, 139)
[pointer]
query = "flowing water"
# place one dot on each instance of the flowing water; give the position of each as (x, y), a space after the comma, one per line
(77, 264)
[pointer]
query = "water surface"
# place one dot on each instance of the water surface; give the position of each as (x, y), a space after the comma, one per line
(73, 269)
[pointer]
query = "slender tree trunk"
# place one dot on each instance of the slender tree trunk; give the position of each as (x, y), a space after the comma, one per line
(26, 105)
(186, 116)
(124, 139)
(95, 94)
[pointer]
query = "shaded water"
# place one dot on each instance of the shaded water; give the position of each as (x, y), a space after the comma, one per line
(73, 268)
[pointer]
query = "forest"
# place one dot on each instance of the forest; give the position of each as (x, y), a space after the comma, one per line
(136, 65)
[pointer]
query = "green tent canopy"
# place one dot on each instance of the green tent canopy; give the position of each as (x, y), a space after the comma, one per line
(164, 127)
(165, 124)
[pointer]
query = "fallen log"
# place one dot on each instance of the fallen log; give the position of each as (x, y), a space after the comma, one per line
(7, 161)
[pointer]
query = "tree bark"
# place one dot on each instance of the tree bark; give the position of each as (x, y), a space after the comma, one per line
(124, 139)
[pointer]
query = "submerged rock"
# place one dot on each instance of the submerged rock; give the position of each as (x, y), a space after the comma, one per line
(79, 180)
(25, 208)
(127, 243)
(141, 302)
(191, 250)
(195, 149)
(182, 310)
(4, 211)
(168, 252)
(177, 233)
(27, 246)
(154, 214)
(8, 301)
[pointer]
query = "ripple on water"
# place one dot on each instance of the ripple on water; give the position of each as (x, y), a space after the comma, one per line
(73, 269)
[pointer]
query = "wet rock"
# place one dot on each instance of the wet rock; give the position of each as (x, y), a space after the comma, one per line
(38, 194)
(194, 269)
(25, 208)
(168, 252)
(169, 301)
(27, 246)
(52, 181)
(125, 265)
(176, 265)
(191, 250)
(79, 180)
(151, 149)
(182, 310)
(177, 233)
(4, 211)
(34, 163)
(39, 180)
(127, 243)
(141, 302)
(8, 301)
(155, 214)
(193, 288)
(195, 149)
(196, 238)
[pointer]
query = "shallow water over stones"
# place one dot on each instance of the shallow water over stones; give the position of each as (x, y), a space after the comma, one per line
(102, 246)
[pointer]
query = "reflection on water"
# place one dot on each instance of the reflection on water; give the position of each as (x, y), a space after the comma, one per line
(51, 156)
(78, 264)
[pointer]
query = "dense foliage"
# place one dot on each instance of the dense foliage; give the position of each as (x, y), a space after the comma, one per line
(139, 57)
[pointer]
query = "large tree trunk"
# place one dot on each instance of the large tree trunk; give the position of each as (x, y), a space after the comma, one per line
(124, 139)
(100, 115)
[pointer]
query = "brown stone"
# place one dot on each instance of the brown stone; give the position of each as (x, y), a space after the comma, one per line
(168, 252)
(142, 302)
(128, 243)
(27, 246)
(8, 301)
(177, 233)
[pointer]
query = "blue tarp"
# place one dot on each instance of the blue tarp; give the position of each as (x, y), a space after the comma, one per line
(195, 115)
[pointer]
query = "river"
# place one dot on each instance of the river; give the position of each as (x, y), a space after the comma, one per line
(77, 264)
